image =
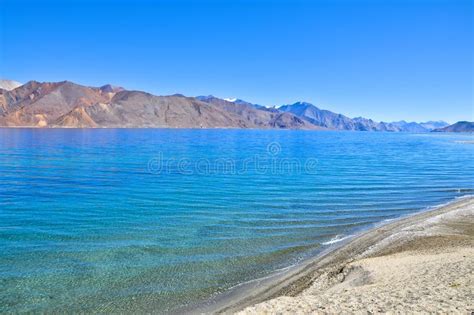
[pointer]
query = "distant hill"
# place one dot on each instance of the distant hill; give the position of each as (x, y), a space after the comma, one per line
(460, 126)
(330, 120)
(431, 125)
(419, 127)
(9, 84)
(410, 126)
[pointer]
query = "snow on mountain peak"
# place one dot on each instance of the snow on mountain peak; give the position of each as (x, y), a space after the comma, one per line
(232, 100)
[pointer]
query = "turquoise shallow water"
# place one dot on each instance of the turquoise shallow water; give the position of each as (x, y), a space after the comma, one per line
(150, 220)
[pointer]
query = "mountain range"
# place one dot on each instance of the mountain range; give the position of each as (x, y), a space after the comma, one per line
(66, 104)
(332, 120)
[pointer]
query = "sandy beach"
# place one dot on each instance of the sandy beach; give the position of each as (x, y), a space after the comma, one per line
(421, 263)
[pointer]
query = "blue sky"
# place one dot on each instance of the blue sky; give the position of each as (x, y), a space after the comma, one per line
(386, 60)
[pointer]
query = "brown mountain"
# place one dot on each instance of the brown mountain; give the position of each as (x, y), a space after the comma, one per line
(38, 104)
(66, 104)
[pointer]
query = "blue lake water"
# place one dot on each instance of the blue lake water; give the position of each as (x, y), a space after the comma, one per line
(149, 220)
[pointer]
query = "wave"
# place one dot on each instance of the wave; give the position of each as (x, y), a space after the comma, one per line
(337, 239)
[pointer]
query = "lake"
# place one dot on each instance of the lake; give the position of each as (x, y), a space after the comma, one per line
(141, 220)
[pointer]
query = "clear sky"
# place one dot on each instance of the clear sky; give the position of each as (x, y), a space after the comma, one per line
(386, 60)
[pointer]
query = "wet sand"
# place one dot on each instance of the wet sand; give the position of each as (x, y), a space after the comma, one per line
(421, 263)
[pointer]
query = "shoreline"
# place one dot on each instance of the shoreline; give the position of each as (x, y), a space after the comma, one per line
(237, 128)
(388, 237)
